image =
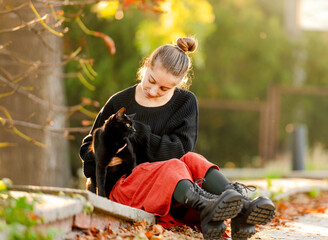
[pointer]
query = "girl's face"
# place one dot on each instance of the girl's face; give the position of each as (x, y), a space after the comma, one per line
(157, 83)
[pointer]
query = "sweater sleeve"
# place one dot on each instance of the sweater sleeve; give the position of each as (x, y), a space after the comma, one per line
(180, 135)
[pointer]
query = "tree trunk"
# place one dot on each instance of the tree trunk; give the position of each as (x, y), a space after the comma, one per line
(30, 58)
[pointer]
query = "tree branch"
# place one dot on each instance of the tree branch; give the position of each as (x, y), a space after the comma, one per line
(11, 123)
(71, 3)
(14, 9)
(3, 46)
(38, 100)
(18, 132)
(24, 25)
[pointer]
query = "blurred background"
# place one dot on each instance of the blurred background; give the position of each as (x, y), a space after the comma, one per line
(260, 74)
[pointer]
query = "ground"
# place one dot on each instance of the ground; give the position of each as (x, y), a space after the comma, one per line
(302, 211)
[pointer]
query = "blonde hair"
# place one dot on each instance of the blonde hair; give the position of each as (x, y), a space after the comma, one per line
(173, 58)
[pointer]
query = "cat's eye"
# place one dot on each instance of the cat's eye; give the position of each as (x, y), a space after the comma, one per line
(128, 125)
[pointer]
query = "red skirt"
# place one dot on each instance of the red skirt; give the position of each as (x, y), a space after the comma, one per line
(150, 186)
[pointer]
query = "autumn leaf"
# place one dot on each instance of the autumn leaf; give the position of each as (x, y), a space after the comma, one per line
(319, 210)
(108, 41)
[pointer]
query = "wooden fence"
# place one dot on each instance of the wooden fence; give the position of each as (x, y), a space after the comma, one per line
(269, 113)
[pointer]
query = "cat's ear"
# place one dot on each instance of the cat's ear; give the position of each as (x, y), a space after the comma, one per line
(131, 116)
(120, 112)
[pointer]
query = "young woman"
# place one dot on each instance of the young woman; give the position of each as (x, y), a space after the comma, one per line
(170, 180)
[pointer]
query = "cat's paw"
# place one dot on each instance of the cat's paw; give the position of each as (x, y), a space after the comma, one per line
(115, 161)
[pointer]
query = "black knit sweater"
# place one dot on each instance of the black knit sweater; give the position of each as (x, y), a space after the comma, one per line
(164, 132)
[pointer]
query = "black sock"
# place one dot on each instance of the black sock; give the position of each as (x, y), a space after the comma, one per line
(215, 181)
(181, 189)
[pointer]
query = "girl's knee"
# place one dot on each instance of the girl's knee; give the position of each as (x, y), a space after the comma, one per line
(193, 157)
(175, 162)
(197, 163)
(176, 165)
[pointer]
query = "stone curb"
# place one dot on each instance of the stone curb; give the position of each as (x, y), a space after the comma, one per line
(62, 208)
(51, 207)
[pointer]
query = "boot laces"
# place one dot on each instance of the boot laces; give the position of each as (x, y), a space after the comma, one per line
(201, 191)
(242, 189)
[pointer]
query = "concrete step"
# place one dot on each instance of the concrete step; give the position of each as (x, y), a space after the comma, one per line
(63, 208)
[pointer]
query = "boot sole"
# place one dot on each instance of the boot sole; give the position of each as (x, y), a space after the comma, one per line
(229, 204)
(241, 231)
(242, 234)
(261, 213)
(214, 234)
(229, 207)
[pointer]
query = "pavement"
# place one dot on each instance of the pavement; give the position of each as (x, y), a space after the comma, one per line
(309, 226)
(282, 188)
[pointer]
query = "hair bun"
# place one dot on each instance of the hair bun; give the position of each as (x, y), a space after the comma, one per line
(187, 44)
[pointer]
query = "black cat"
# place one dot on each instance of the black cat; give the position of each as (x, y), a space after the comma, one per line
(109, 141)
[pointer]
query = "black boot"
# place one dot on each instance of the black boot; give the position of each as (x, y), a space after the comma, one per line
(213, 209)
(213, 230)
(241, 230)
(259, 211)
